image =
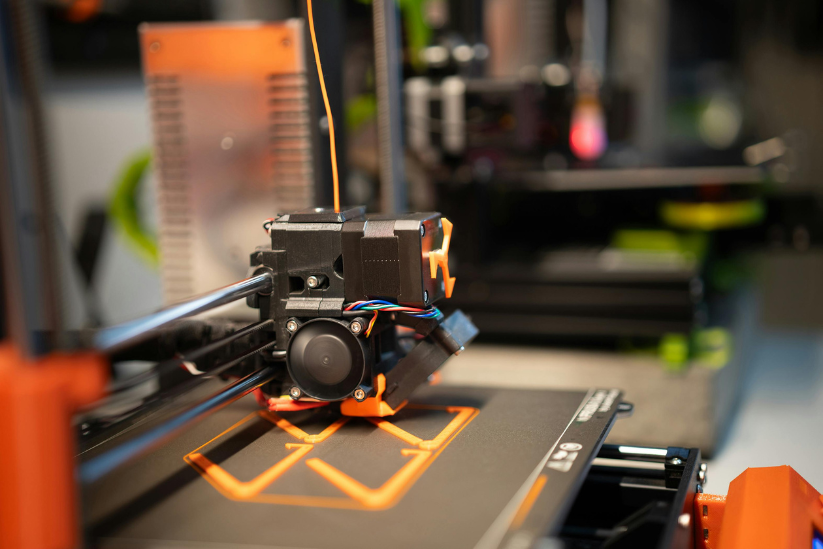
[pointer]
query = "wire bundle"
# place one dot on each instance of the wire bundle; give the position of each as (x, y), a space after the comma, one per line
(389, 307)
(378, 305)
(267, 225)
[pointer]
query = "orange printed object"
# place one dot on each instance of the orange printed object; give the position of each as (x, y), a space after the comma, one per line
(38, 495)
(441, 257)
(463, 414)
(245, 490)
(359, 496)
(396, 431)
(381, 497)
(766, 508)
(299, 433)
(372, 406)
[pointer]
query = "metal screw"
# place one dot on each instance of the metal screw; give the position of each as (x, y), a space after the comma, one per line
(699, 488)
(422, 230)
(676, 461)
(295, 393)
(359, 395)
(703, 472)
(312, 281)
(291, 325)
(684, 520)
(356, 327)
(425, 296)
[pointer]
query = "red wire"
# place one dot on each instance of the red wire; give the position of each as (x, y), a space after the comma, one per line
(371, 324)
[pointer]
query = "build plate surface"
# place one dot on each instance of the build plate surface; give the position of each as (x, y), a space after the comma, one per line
(457, 467)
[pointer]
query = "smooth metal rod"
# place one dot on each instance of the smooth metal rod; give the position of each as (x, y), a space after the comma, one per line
(115, 338)
(190, 356)
(165, 402)
(100, 466)
(388, 75)
(636, 453)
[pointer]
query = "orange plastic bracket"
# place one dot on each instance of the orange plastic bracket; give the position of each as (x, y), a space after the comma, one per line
(372, 406)
(441, 257)
(766, 508)
(38, 499)
(708, 513)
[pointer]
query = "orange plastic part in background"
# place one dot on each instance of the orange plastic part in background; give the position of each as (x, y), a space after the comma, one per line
(766, 508)
(38, 496)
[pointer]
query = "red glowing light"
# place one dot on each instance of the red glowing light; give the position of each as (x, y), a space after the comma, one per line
(587, 140)
(587, 137)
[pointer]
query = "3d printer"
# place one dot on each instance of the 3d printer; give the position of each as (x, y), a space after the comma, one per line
(333, 273)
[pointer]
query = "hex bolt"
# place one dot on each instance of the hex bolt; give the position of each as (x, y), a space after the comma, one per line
(684, 520)
(295, 393)
(291, 325)
(312, 282)
(359, 395)
(356, 327)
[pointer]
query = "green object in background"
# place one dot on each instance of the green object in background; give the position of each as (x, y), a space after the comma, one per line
(712, 216)
(674, 350)
(639, 240)
(125, 211)
(710, 347)
(418, 32)
(726, 274)
(713, 347)
(359, 110)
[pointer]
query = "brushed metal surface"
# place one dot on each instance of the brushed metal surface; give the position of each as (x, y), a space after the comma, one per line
(230, 116)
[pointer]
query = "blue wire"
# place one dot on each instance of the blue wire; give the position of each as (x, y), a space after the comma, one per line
(427, 314)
